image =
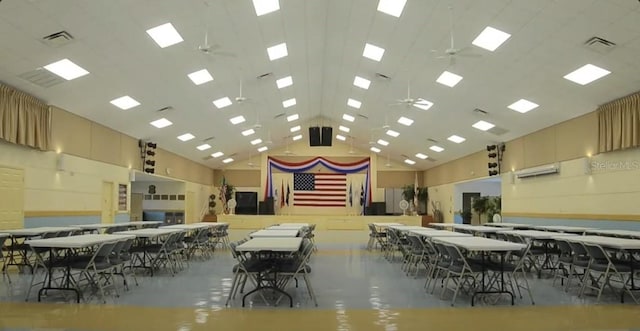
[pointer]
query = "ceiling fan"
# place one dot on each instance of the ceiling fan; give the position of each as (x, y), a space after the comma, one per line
(240, 99)
(452, 52)
(212, 49)
(415, 102)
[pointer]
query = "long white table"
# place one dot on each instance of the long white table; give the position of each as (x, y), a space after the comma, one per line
(477, 228)
(34, 232)
(192, 226)
(615, 233)
(271, 244)
(537, 234)
(274, 234)
(607, 242)
(404, 228)
(432, 233)
(442, 225)
(515, 226)
(286, 227)
(149, 232)
(562, 228)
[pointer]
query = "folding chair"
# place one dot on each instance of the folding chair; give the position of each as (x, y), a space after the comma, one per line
(462, 270)
(3, 240)
(246, 268)
(299, 266)
(96, 270)
(416, 253)
(602, 268)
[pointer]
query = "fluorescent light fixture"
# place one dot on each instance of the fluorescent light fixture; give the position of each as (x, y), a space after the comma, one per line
(125, 102)
(227, 160)
(248, 132)
(421, 156)
(217, 154)
(436, 148)
(456, 139)
(165, 35)
(449, 79)
(361, 82)
(295, 128)
(200, 77)
(373, 52)
(353, 103)
(344, 128)
(237, 120)
(66, 69)
(383, 142)
(375, 149)
(408, 161)
(348, 117)
(490, 38)
(264, 7)
(423, 104)
(391, 7)
(298, 137)
(186, 137)
(284, 82)
(256, 141)
(482, 125)
(289, 103)
(523, 106)
(405, 121)
(222, 102)
(293, 117)
(262, 149)
(277, 51)
(341, 137)
(203, 147)
(393, 133)
(586, 74)
(161, 123)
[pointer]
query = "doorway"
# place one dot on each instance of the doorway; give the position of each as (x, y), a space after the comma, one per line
(136, 207)
(467, 203)
(107, 203)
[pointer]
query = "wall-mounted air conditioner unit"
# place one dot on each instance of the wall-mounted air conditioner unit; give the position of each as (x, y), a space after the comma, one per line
(538, 171)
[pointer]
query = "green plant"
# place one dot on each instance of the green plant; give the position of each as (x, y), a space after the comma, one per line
(423, 194)
(494, 207)
(480, 205)
(408, 192)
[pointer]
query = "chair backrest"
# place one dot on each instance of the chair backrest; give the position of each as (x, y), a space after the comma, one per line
(47, 235)
(416, 243)
(564, 247)
(63, 233)
(2, 241)
(105, 250)
(578, 248)
(596, 252)
(117, 248)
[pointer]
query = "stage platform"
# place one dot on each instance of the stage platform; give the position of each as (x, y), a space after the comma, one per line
(323, 222)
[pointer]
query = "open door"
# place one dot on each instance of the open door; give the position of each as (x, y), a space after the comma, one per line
(136, 207)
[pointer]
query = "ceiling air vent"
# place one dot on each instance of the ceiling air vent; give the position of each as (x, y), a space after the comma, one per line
(363, 116)
(479, 111)
(265, 75)
(599, 45)
(208, 139)
(432, 140)
(42, 78)
(58, 39)
(382, 76)
(498, 131)
(164, 109)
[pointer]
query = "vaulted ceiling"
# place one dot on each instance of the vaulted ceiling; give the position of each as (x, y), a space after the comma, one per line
(325, 40)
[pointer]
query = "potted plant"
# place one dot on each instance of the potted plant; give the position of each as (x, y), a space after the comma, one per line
(494, 207)
(466, 216)
(480, 205)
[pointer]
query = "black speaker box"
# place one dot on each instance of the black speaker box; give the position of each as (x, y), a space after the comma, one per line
(327, 135)
(314, 136)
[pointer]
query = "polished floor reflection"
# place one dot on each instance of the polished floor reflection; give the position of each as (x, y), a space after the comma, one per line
(356, 290)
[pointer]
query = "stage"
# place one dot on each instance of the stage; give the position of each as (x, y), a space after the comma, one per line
(323, 222)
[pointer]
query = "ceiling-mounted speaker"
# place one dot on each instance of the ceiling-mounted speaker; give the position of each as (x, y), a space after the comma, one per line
(327, 135)
(314, 136)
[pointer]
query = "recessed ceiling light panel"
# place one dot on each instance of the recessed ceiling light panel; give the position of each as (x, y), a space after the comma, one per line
(362, 83)
(421, 156)
(200, 77)
(186, 137)
(297, 137)
(341, 137)
(587, 74)
(408, 161)
(405, 121)
(227, 160)
(353, 103)
(165, 35)
(456, 139)
(391, 7)
(348, 118)
(66, 69)
(523, 106)
(237, 120)
(295, 128)
(203, 147)
(344, 128)
(161, 123)
(248, 132)
(383, 142)
(449, 79)
(373, 52)
(264, 7)
(289, 103)
(482, 125)
(256, 141)
(217, 154)
(277, 52)
(262, 149)
(490, 38)
(393, 133)
(222, 102)
(374, 149)
(284, 82)
(436, 148)
(125, 102)
(293, 117)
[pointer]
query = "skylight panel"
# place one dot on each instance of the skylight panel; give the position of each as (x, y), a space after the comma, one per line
(353, 103)
(200, 77)
(482, 125)
(449, 79)
(217, 154)
(393, 133)
(289, 103)
(523, 106)
(348, 117)
(391, 7)
(277, 51)
(256, 141)
(264, 7)
(362, 83)
(423, 104)
(421, 156)
(293, 117)
(375, 149)
(203, 147)
(186, 137)
(66, 69)
(409, 161)
(125, 102)
(227, 160)
(237, 120)
(490, 38)
(373, 52)
(165, 35)
(587, 74)
(405, 121)
(161, 123)
(344, 128)
(263, 149)
(341, 137)
(295, 128)
(436, 148)
(222, 102)
(284, 82)
(456, 139)
(383, 142)
(248, 132)
(297, 137)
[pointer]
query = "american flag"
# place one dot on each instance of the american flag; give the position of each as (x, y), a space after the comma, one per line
(319, 190)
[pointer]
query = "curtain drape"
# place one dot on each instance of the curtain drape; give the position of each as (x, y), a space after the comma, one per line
(619, 124)
(24, 119)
